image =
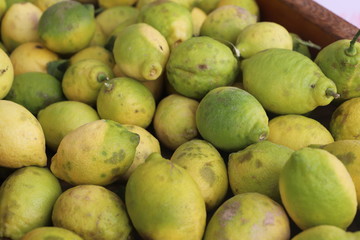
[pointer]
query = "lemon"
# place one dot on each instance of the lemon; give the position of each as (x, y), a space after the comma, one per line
(189, 4)
(207, 5)
(60, 118)
(27, 197)
(94, 52)
(198, 17)
(231, 119)
(199, 65)
(299, 46)
(6, 74)
(344, 122)
(2, 47)
(19, 24)
(114, 3)
(3, 7)
(98, 153)
(323, 232)
(248, 216)
(257, 168)
(82, 80)
(23, 140)
(316, 189)
(147, 145)
(35, 91)
(164, 202)
(44, 4)
(171, 19)
(207, 167)
(99, 38)
(174, 120)
(250, 5)
(156, 87)
(43, 233)
(92, 212)
(348, 152)
(58, 32)
(126, 101)
(297, 131)
(261, 36)
(142, 40)
(32, 57)
(225, 23)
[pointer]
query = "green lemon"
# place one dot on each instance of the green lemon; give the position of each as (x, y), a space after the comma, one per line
(231, 119)
(207, 5)
(316, 189)
(67, 26)
(60, 118)
(199, 65)
(46, 233)
(323, 232)
(35, 91)
(27, 197)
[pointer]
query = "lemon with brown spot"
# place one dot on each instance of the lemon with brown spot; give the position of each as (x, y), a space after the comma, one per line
(23, 140)
(207, 167)
(316, 189)
(99, 152)
(6, 74)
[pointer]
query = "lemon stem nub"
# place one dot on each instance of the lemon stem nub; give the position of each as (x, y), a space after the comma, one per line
(351, 51)
(108, 86)
(102, 77)
(330, 93)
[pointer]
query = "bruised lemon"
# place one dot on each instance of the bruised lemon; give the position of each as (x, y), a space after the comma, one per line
(98, 153)
(58, 32)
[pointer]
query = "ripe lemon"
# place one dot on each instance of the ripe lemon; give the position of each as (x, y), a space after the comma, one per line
(126, 101)
(59, 118)
(6, 74)
(32, 57)
(44, 233)
(324, 232)
(99, 152)
(297, 131)
(174, 120)
(257, 168)
(316, 189)
(22, 138)
(250, 5)
(94, 52)
(207, 167)
(344, 122)
(44, 4)
(198, 17)
(114, 3)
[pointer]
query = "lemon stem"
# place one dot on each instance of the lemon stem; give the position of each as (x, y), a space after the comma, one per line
(102, 77)
(351, 51)
(331, 93)
(308, 43)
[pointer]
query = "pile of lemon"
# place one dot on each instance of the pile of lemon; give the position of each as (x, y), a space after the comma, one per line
(174, 119)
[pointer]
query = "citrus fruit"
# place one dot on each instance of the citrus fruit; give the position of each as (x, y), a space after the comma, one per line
(250, 5)
(171, 19)
(92, 212)
(273, 75)
(231, 119)
(19, 24)
(189, 4)
(35, 91)
(58, 32)
(163, 201)
(23, 141)
(199, 65)
(248, 216)
(44, 233)
(225, 23)
(59, 118)
(207, 5)
(340, 61)
(6, 74)
(98, 153)
(344, 122)
(114, 3)
(348, 152)
(32, 57)
(3, 7)
(82, 80)
(323, 232)
(94, 52)
(156, 87)
(143, 40)
(257, 168)
(44, 4)
(316, 189)
(147, 145)
(99, 38)
(174, 120)
(126, 101)
(207, 167)
(27, 197)
(198, 17)
(297, 131)
(261, 36)
(299, 46)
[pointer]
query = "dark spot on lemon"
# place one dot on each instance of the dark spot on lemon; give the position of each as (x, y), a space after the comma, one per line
(245, 157)
(347, 158)
(115, 171)
(258, 163)
(208, 175)
(104, 153)
(116, 157)
(103, 175)
(203, 66)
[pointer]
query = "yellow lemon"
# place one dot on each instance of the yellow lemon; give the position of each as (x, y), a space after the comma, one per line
(98, 153)
(44, 4)
(43, 233)
(198, 17)
(316, 189)
(94, 52)
(6, 74)
(22, 138)
(298, 131)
